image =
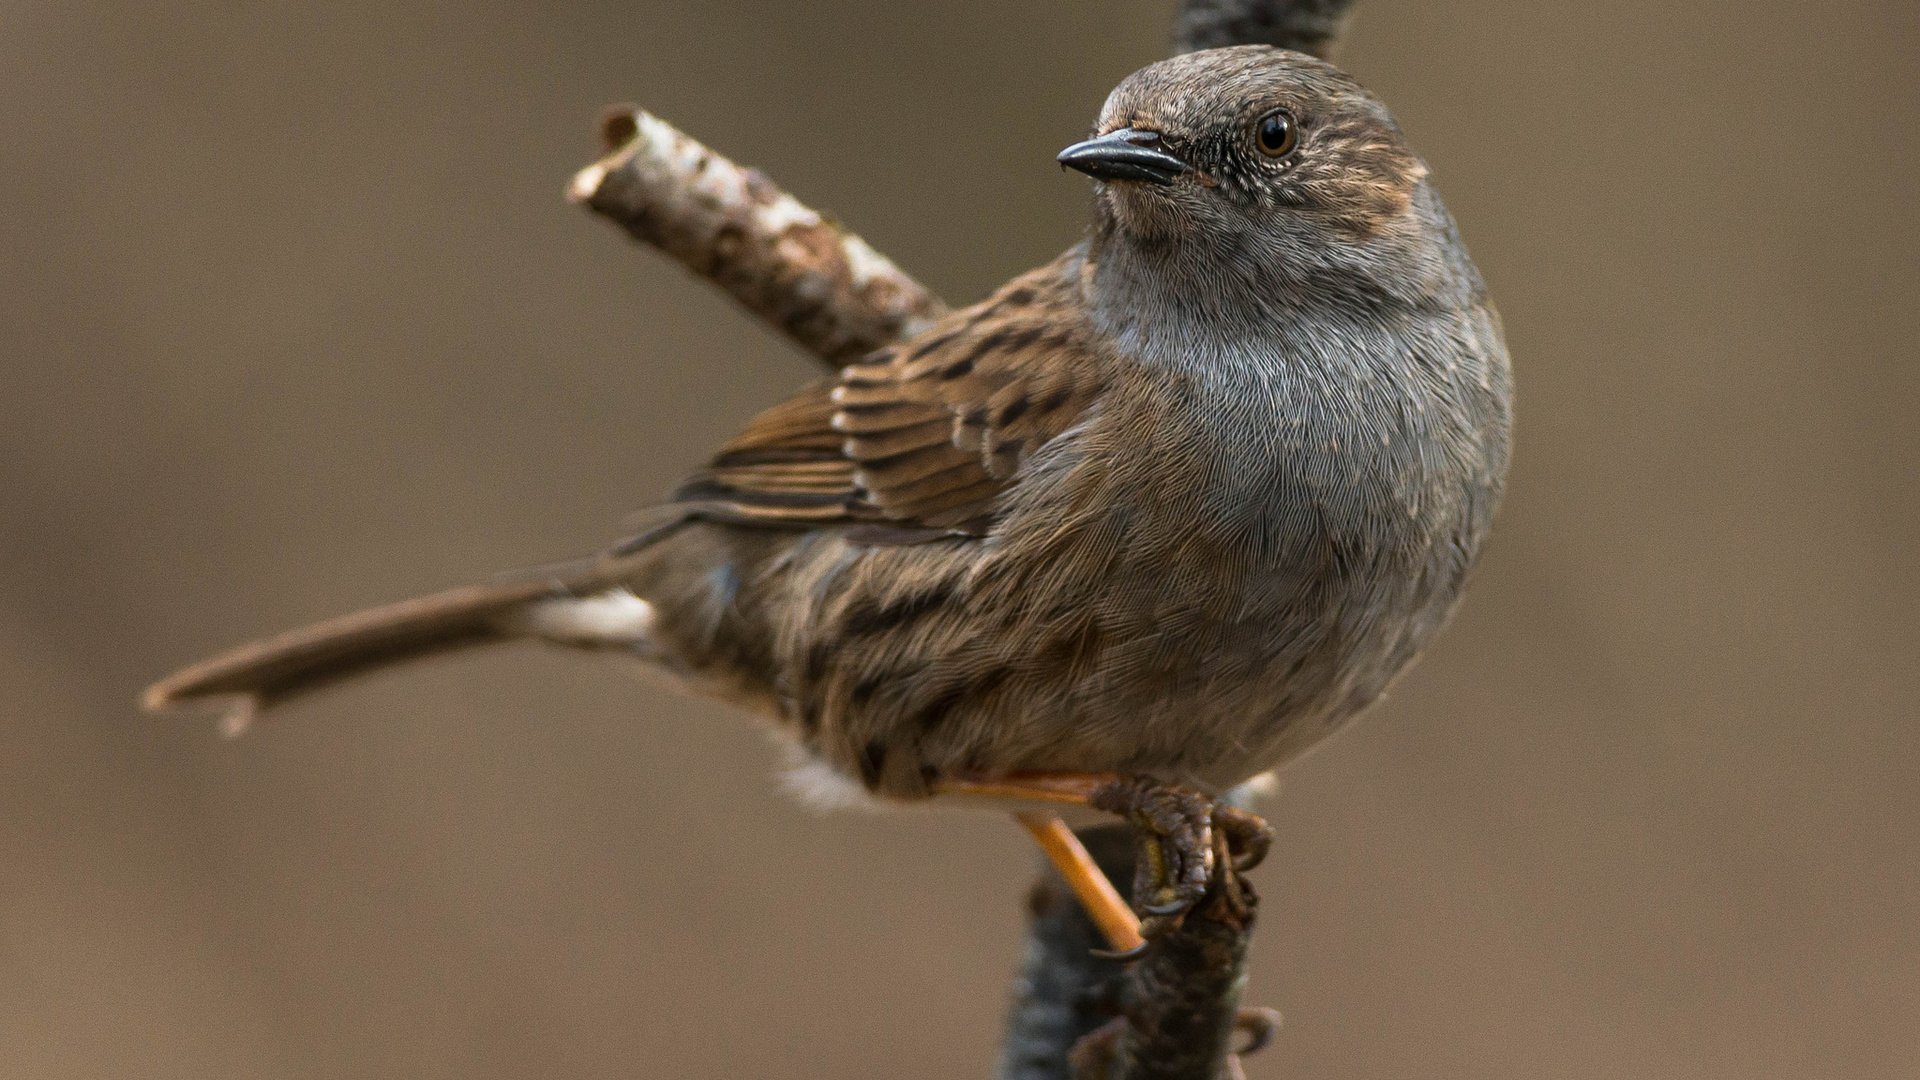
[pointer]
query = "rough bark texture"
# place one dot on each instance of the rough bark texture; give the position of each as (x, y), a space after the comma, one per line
(790, 265)
(1308, 26)
(1184, 996)
(1065, 990)
(1170, 1015)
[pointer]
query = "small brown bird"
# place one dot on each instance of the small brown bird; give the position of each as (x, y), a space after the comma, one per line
(1174, 506)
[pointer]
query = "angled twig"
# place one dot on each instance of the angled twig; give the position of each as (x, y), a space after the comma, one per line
(792, 266)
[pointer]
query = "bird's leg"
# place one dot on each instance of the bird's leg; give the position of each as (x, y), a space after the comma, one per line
(1102, 901)
(1175, 829)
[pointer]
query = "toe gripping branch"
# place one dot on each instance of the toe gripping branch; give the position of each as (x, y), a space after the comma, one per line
(1188, 848)
(1169, 1010)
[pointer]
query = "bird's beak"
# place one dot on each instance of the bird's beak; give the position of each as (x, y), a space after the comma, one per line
(1126, 154)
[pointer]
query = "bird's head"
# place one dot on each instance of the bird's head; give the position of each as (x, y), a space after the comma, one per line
(1251, 153)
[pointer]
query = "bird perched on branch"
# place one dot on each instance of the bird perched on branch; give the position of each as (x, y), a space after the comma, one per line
(1148, 522)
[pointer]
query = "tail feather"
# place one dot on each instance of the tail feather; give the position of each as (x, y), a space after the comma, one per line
(267, 672)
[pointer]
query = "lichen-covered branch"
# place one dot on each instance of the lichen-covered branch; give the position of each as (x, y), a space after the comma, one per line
(1308, 26)
(790, 265)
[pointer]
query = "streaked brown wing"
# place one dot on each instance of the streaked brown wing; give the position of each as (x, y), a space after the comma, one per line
(919, 440)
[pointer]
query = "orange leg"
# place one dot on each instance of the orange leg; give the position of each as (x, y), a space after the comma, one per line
(1072, 789)
(1103, 903)
(1177, 832)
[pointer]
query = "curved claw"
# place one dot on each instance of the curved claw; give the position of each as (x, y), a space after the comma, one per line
(1170, 907)
(1249, 837)
(1259, 1024)
(1122, 955)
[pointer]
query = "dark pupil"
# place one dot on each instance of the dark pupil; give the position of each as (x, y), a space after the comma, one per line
(1275, 134)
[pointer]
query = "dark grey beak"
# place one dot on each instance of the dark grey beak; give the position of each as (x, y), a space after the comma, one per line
(1126, 154)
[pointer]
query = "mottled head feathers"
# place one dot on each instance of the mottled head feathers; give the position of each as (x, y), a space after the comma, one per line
(1348, 170)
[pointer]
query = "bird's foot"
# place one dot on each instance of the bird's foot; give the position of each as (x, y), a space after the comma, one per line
(1188, 844)
(1186, 841)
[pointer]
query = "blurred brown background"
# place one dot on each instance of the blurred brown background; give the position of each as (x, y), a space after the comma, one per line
(293, 318)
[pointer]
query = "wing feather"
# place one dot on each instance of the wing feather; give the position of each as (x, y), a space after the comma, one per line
(923, 439)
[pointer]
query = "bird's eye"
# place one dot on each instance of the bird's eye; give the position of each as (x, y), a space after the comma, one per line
(1276, 134)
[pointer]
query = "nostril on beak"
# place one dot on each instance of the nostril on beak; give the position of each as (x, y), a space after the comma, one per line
(1125, 154)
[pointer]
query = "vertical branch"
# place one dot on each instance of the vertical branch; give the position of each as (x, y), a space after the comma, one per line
(1175, 1012)
(1170, 1015)
(1308, 26)
(1065, 990)
(1184, 1001)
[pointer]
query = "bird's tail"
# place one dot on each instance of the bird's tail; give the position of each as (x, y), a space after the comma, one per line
(572, 604)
